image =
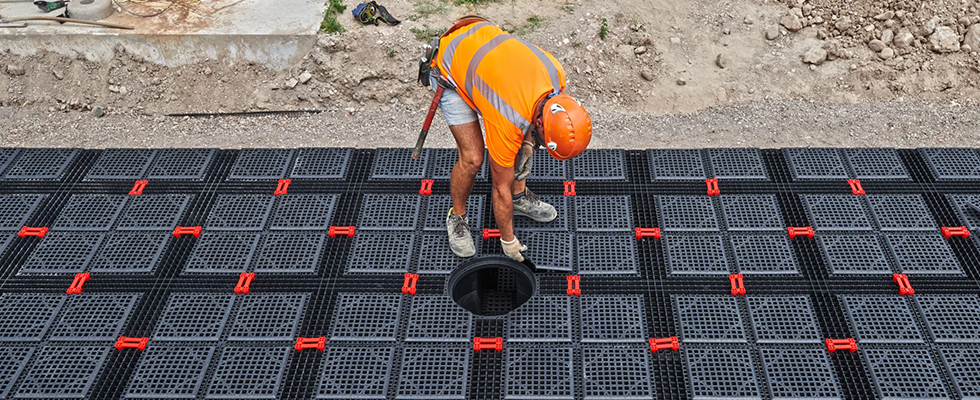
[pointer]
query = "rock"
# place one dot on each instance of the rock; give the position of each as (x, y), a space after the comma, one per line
(58, 74)
(964, 20)
(869, 28)
(817, 20)
(15, 70)
(155, 81)
(815, 56)
(973, 37)
(900, 14)
(792, 23)
(207, 71)
(903, 39)
(772, 32)
(966, 48)
(887, 36)
(681, 81)
(675, 40)
(305, 77)
(885, 16)
(727, 31)
(876, 45)
(944, 40)
(930, 26)
(748, 21)
(291, 83)
(844, 23)
(721, 61)
(640, 50)
(646, 75)
(887, 53)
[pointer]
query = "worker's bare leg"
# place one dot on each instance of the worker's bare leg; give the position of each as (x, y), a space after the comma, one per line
(469, 142)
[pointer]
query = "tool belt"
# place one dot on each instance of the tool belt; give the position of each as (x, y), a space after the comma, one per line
(431, 51)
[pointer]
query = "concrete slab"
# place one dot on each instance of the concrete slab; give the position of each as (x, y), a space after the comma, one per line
(274, 33)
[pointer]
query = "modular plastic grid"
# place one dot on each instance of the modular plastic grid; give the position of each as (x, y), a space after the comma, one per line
(27, 316)
(672, 164)
(687, 213)
(603, 213)
(390, 211)
(130, 252)
(905, 373)
(876, 163)
(783, 319)
(709, 319)
(7, 155)
(881, 319)
(799, 373)
(216, 252)
(549, 250)
(752, 212)
(353, 372)
(599, 164)
(247, 212)
(194, 317)
(121, 164)
(96, 316)
(180, 164)
(321, 163)
(925, 253)
(609, 318)
(815, 163)
(763, 254)
(304, 212)
(854, 254)
(837, 212)
(63, 253)
(739, 163)
(248, 373)
(169, 372)
(153, 212)
(546, 167)
(261, 164)
(963, 364)
(434, 372)
(89, 212)
(435, 255)
(12, 362)
(366, 316)
(951, 318)
(272, 316)
(543, 318)
(718, 372)
(438, 210)
(968, 208)
(695, 254)
(436, 318)
(40, 163)
(289, 252)
(952, 163)
(398, 164)
(382, 252)
(605, 253)
(901, 213)
(560, 223)
(15, 209)
(63, 371)
(5, 239)
(445, 159)
(539, 373)
(613, 372)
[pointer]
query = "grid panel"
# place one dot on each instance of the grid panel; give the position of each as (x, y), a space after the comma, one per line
(546, 167)
(435, 255)
(616, 372)
(613, 319)
(63, 252)
(854, 254)
(321, 163)
(180, 164)
(355, 373)
(538, 373)
(153, 212)
(389, 212)
(99, 316)
(905, 373)
(752, 212)
(15, 209)
(248, 373)
(439, 206)
(434, 373)
(560, 223)
(227, 252)
(783, 319)
(964, 366)
(89, 212)
(901, 212)
(923, 253)
(603, 213)
(768, 254)
(445, 159)
(968, 208)
(366, 316)
(436, 318)
(62, 372)
(304, 212)
(952, 163)
(799, 374)
(169, 372)
(544, 318)
(951, 318)
(881, 319)
(7, 155)
(695, 255)
(130, 252)
(268, 317)
(815, 163)
(194, 316)
(605, 254)
(836, 212)
(604, 164)
(121, 164)
(672, 164)
(47, 163)
(12, 362)
(381, 252)
(874, 163)
(549, 250)
(398, 164)
(709, 319)
(261, 164)
(5, 239)
(289, 252)
(737, 164)
(246, 212)
(27, 316)
(687, 213)
(721, 373)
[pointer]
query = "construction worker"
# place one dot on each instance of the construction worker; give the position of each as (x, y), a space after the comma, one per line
(518, 90)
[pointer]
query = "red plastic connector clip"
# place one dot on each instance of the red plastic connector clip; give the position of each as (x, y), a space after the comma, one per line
(187, 230)
(569, 188)
(138, 343)
(410, 281)
(138, 187)
(488, 344)
(491, 233)
(950, 231)
(800, 231)
(282, 187)
(856, 186)
(842, 344)
(904, 287)
(78, 282)
(311, 343)
(712, 187)
(573, 285)
(426, 188)
(647, 232)
(341, 230)
(738, 288)
(244, 280)
(29, 231)
(668, 343)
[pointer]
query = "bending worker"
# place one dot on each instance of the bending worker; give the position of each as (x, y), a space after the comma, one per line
(518, 90)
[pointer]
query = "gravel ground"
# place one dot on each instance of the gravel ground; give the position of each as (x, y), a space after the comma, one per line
(766, 124)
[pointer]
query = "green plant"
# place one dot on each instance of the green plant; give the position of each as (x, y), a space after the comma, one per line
(426, 8)
(568, 7)
(462, 2)
(533, 23)
(336, 7)
(603, 29)
(425, 34)
(391, 52)
(330, 23)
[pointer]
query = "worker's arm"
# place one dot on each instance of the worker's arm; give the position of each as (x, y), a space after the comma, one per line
(503, 200)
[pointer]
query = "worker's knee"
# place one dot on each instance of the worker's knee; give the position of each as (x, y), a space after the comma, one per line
(471, 163)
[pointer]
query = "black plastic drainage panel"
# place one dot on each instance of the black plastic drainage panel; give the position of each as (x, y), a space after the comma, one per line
(491, 285)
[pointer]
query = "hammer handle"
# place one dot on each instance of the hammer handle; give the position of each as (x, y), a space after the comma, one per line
(428, 123)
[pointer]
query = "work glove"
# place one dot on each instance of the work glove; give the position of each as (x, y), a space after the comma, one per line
(513, 249)
(525, 158)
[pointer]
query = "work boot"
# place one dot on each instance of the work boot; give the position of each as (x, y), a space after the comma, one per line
(529, 205)
(460, 237)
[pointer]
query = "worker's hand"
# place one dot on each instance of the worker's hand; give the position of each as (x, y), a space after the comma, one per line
(525, 158)
(513, 249)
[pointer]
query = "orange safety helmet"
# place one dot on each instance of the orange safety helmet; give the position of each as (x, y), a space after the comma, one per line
(567, 127)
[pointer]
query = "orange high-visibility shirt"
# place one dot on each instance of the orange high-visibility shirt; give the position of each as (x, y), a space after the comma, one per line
(501, 77)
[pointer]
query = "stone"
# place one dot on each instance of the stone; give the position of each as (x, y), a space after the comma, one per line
(844, 23)
(887, 53)
(966, 48)
(792, 23)
(887, 36)
(885, 16)
(903, 39)
(58, 74)
(772, 32)
(815, 56)
(646, 75)
(640, 50)
(721, 61)
(900, 14)
(291, 83)
(944, 40)
(675, 40)
(15, 70)
(681, 81)
(876, 45)
(964, 20)
(305, 77)
(748, 21)
(930, 26)
(972, 38)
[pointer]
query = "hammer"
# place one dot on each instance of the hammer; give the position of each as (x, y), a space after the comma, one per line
(443, 85)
